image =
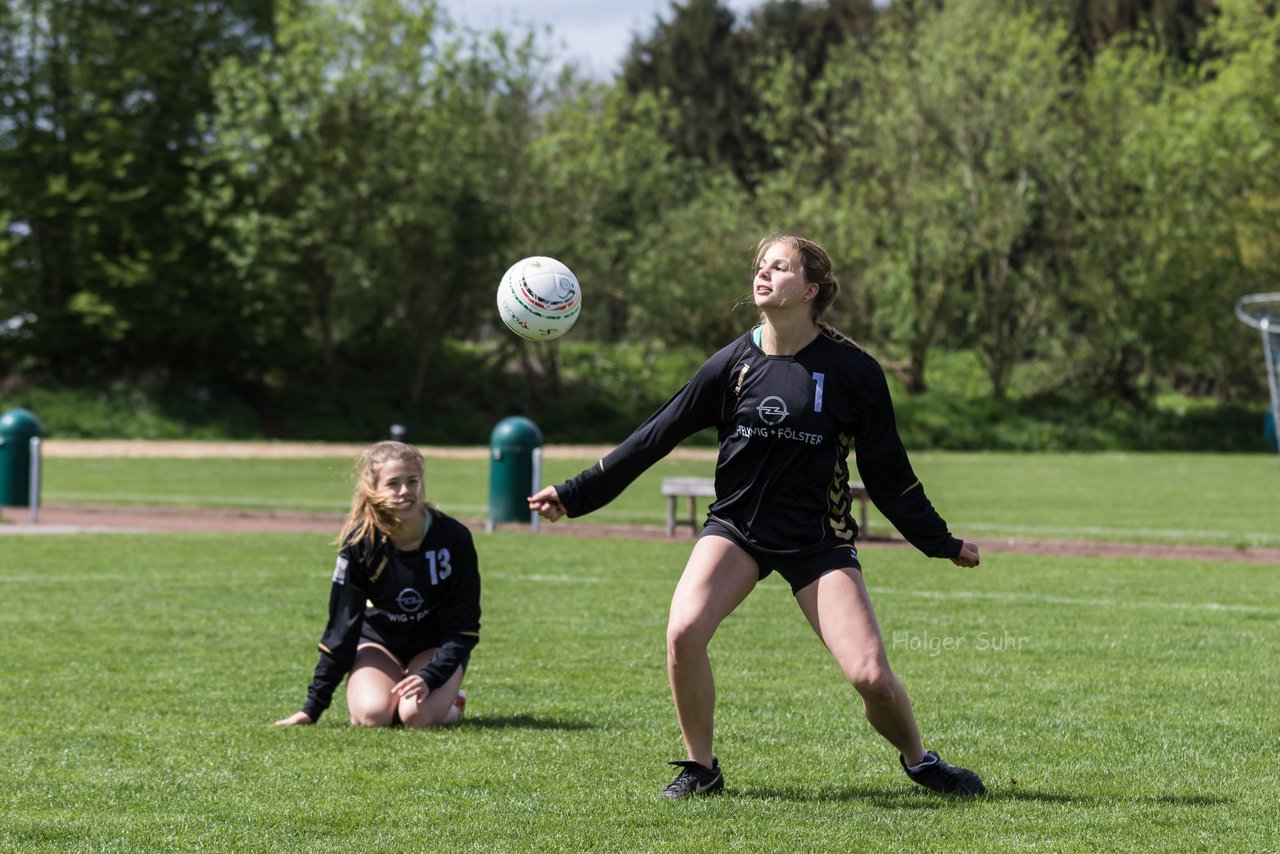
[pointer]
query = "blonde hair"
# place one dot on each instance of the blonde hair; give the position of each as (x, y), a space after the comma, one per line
(371, 512)
(815, 262)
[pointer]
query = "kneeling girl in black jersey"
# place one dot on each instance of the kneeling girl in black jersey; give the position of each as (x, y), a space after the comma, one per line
(404, 606)
(789, 400)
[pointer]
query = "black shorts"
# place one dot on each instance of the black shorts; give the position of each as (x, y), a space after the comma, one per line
(403, 652)
(799, 570)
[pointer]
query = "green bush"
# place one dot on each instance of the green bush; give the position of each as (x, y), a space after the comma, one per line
(135, 411)
(939, 421)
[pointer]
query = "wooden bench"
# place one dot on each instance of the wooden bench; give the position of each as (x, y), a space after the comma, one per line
(693, 488)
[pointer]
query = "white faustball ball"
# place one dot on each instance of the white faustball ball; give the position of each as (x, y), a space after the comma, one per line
(539, 298)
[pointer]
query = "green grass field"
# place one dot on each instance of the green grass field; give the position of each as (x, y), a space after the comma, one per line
(1224, 499)
(1112, 705)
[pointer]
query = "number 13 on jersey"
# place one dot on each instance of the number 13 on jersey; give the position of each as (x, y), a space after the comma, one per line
(438, 565)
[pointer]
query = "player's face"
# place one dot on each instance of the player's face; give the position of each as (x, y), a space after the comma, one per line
(779, 280)
(402, 483)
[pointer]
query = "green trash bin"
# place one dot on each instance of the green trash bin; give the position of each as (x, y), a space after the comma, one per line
(17, 428)
(515, 446)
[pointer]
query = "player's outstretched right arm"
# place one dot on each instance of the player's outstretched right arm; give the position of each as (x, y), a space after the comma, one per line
(546, 503)
(693, 408)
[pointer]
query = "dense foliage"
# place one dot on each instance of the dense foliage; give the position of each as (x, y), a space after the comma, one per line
(291, 216)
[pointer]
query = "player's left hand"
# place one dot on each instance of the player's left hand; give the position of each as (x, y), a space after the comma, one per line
(296, 719)
(411, 686)
(968, 555)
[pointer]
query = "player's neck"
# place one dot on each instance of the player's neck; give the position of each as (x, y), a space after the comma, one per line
(409, 533)
(788, 335)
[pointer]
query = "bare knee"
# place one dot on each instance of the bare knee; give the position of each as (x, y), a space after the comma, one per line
(685, 638)
(368, 714)
(875, 682)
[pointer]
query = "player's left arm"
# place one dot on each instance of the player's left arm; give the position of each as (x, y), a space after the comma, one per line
(459, 614)
(891, 482)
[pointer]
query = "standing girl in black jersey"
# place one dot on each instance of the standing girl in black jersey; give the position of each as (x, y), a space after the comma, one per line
(404, 608)
(788, 400)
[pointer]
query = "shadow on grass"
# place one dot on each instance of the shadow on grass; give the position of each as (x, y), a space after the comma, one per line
(524, 722)
(1020, 794)
(1190, 800)
(919, 799)
(887, 798)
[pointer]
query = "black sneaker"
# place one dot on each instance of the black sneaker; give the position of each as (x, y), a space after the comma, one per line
(694, 779)
(944, 777)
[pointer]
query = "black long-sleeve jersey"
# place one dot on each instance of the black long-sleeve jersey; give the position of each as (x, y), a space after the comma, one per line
(785, 426)
(428, 597)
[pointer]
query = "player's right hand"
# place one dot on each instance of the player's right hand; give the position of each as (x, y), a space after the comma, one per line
(296, 719)
(546, 503)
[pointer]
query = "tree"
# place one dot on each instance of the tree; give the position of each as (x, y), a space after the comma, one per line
(599, 184)
(1175, 194)
(994, 84)
(698, 61)
(1173, 25)
(369, 160)
(882, 190)
(931, 154)
(690, 278)
(102, 99)
(712, 67)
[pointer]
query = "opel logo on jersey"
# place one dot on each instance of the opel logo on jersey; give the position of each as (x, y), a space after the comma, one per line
(773, 410)
(410, 600)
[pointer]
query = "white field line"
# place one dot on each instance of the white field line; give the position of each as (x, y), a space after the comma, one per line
(1069, 600)
(551, 579)
(192, 502)
(238, 502)
(224, 502)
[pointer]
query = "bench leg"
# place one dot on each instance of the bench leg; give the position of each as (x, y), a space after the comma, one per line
(693, 515)
(671, 515)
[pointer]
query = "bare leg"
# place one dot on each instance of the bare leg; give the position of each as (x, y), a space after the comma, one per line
(369, 687)
(438, 709)
(839, 609)
(717, 577)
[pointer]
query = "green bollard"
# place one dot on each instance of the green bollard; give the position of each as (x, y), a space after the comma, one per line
(18, 428)
(515, 468)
